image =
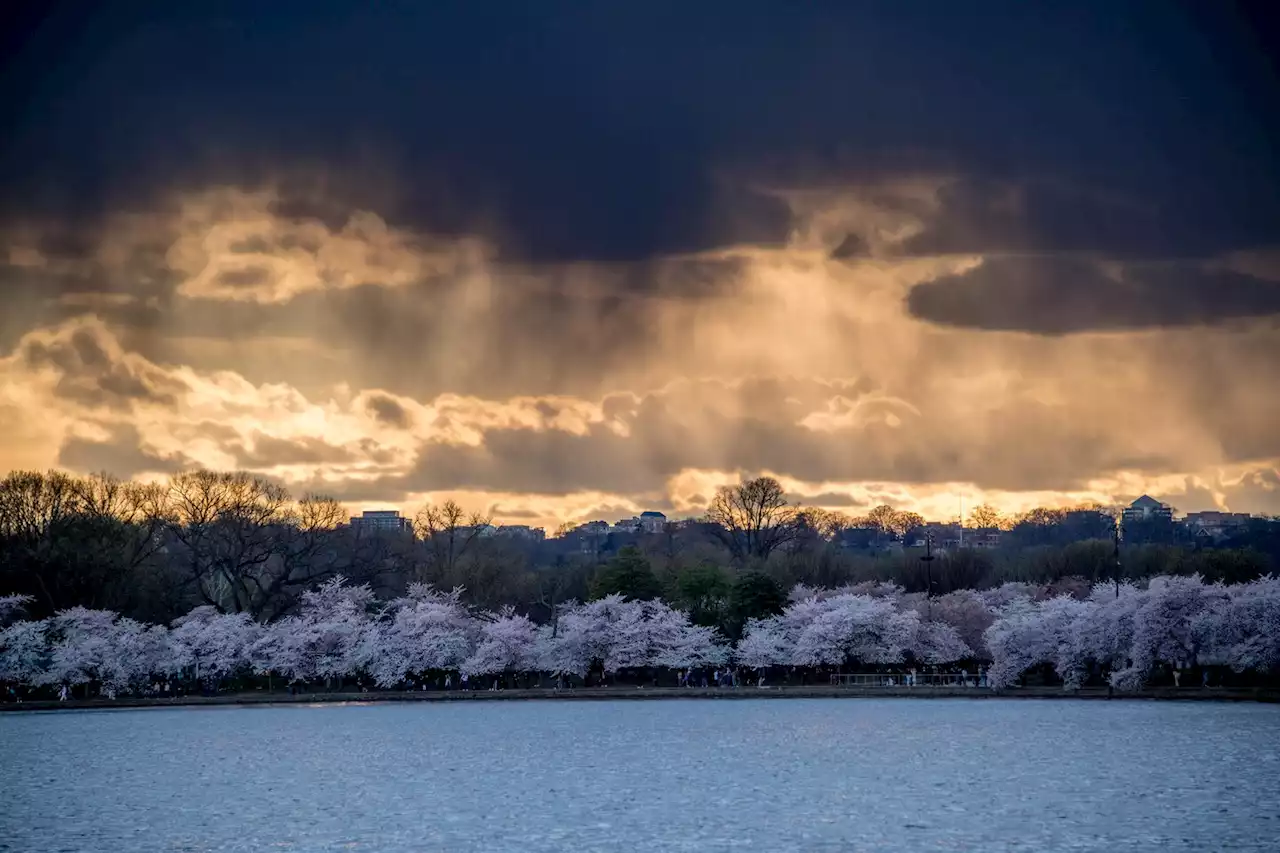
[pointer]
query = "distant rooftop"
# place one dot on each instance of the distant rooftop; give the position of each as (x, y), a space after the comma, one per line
(381, 519)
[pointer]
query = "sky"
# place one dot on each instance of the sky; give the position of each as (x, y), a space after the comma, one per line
(562, 261)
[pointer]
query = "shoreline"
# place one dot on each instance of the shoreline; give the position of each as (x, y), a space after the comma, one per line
(588, 694)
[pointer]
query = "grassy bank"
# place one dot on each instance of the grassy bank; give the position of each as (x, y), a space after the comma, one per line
(646, 693)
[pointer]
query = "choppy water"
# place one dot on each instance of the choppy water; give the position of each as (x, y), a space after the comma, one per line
(847, 775)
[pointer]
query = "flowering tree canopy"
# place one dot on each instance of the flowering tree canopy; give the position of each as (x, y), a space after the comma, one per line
(848, 628)
(508, 643)
(340, 631)
(1128, 632)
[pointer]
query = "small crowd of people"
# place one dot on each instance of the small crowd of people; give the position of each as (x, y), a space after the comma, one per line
(948, 678)
(727, 677)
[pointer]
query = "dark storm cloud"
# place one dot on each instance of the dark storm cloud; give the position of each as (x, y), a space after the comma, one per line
(546, 330)
(32, 294)
(824, 499)
(1257, 493)
(1108, 162)
(1057, 295)
(851, 246)
(92, 371)
(121, 455)
(266, 451)
(708, 425)
(349, 490)
(977, 215)
(246, 277)
(388, 411)
(614, 131)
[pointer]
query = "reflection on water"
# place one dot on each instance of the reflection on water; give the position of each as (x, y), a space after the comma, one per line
(848, 775)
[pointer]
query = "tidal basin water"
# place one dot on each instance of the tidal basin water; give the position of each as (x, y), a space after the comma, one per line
(767, 775)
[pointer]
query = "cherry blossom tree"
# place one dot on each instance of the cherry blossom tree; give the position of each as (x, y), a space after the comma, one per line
(212, 645)
(508, 643)
(1104, 634)
(24, 652)
(1007, 593)
(1029, 633)
(1128, 631)
(848, 628)
(875, 589)
(133, 654)
(1165, 627)
(632, 642)
(683, 645)
(428, 630)
(327, 640)
(937, 642)
(584, 637)
(765, 643)
(872, 589)
(340, 631)
(1062, 619)
(80, 646)
(614, 634)
(11, 606)
(839, 628)
(1242, 630)
(968, 614)
(803, 592)
(651, 634)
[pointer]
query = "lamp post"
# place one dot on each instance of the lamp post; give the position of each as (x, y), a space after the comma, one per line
(1115, 532)
(927, 559)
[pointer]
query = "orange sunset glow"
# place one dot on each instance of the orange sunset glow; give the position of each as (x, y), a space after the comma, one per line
(389, 367)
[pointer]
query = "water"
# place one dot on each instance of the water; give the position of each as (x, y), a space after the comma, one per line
(766, 775)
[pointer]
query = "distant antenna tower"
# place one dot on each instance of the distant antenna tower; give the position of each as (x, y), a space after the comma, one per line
(962, 519)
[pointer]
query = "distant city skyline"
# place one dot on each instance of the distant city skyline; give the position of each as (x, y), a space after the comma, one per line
(1211, 520)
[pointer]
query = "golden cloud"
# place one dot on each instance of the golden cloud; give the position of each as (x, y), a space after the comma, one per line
(556, 392)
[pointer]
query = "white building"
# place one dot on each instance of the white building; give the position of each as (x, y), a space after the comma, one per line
(652, 521)
(382, 520)
(626, 525)
(1216, 524)
(523, 532)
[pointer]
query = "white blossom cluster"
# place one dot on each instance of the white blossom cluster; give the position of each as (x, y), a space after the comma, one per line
(342, 632)
(833, 630)
(1174, 621)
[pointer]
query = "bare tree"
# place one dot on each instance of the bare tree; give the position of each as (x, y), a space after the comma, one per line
(77, 541)
(449, 534)
(308, 552)
(825, 524)
(141, 508)
(558, 584)
(985, 515)
(228, 524)
(753, 518)
(893, 522)
(35, 509)
(31, 502)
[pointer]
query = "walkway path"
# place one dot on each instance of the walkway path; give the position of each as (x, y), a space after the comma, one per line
(636, 693)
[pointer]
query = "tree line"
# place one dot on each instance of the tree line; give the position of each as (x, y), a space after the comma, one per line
(242, 544)
(1124, 635)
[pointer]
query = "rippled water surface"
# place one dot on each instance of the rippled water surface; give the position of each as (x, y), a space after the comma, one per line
(768, 775)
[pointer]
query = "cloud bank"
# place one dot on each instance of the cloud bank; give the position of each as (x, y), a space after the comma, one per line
(559, 265)
(382, 365)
